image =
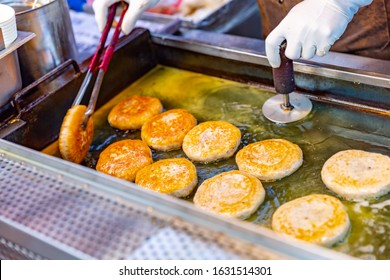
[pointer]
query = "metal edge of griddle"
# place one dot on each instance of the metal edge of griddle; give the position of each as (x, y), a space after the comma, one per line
(345, 103)
(120, 190)
(11, 126)
(356, 76)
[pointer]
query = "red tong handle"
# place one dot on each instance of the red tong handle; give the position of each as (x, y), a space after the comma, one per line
(111, 47)
(100, 47)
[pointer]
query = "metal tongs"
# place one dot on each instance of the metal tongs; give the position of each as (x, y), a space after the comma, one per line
(103, 66)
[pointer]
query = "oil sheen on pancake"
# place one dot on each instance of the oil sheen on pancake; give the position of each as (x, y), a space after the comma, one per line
(232, 194)
(357, 175)
(270, 160)
(133, 112)
(74, 141)
(175, 176)
(123, 159)
(316, 218)
(211, 141)
(166, 131)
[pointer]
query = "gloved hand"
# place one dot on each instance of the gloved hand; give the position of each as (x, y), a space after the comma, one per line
(310, 28)
(136, 8)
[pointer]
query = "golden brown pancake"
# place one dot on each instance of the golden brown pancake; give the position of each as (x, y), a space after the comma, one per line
(74, 141)
(123, 159)
(211, 141)
(175, 176)
(357, 175)
(166, 131)
(232, 194)
(270, 160)
(316, 218)
(133, 112)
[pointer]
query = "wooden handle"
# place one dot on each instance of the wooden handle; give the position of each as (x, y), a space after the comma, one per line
(284, 75)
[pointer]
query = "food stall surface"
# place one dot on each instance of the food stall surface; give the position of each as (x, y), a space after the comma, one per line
(184, 74)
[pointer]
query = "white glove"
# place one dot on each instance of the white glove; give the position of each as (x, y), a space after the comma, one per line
(310, 28)
(136, 8)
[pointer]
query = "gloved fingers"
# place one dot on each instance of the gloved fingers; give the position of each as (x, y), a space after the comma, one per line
(293, 49)
(129, 20)
(308, 50)
(323, 49)
(136, 8)
(272, 48)
(101, 11)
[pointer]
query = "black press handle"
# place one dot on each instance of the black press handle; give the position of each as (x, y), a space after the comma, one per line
(284, 81)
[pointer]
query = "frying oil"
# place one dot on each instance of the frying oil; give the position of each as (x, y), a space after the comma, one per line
(326, 131)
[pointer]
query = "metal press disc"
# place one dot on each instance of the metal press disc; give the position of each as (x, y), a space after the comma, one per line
(274, 111)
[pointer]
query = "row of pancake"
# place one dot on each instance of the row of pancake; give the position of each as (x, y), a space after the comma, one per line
(317, 218)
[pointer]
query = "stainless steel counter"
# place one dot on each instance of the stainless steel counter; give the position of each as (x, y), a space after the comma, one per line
(257, 46)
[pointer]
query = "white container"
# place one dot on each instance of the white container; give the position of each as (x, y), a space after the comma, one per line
(8, 24)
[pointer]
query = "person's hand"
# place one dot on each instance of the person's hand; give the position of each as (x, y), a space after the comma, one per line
(136, 8)
(310, 28)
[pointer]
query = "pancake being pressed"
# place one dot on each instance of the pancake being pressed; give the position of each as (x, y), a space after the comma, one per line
(175, 176)
(317, 218)
(74, 141)
(357, 175)
(232, 194)
(166, 131)
(123, 159)
(270, 159)
(133, 112)
(211, 141)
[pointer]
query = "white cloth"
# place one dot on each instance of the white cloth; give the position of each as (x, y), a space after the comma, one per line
(310, 28)
(136, 8)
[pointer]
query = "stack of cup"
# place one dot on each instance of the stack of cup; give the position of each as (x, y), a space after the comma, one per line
(8, 24)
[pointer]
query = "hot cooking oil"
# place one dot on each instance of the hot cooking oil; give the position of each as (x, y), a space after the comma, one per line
(326, 131)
